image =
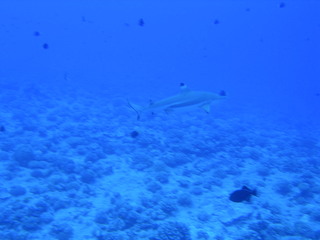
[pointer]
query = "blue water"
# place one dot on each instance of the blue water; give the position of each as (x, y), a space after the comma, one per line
(77, 164)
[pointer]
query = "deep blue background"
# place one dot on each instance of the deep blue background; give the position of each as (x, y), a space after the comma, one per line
(265, 56)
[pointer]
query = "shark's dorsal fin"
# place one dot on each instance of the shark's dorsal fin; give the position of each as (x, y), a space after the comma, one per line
(184, 88)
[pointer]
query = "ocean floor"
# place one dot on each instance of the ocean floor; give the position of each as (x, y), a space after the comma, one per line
(77, 165)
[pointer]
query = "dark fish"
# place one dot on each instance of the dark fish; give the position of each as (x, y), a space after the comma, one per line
(134, 134)
(2, 129)
(141, 22)
(244, 194)
(222, 93)
(45, 45)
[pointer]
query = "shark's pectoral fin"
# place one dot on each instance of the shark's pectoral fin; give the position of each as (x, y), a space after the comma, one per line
(206, 108)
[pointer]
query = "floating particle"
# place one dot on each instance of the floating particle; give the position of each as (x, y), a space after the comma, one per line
(2, 129)
(45, 46)
(216, 21)
(282, 5)
(141, 22)
(134, 134)
(248, 9)
(36, 33)
(85, 19)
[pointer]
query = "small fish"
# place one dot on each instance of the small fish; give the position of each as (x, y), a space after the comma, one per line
(244, 194)
(282, 5)
(45, 46)
(141, 22)
(134, 134)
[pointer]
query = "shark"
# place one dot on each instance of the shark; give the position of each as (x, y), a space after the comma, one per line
(185, 99)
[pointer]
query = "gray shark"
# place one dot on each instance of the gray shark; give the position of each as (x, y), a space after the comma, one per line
(184, 100)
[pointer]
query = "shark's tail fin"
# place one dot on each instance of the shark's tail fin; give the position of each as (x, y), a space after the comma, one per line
(137, 108)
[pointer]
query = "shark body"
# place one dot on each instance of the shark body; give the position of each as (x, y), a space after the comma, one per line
(185, 99)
